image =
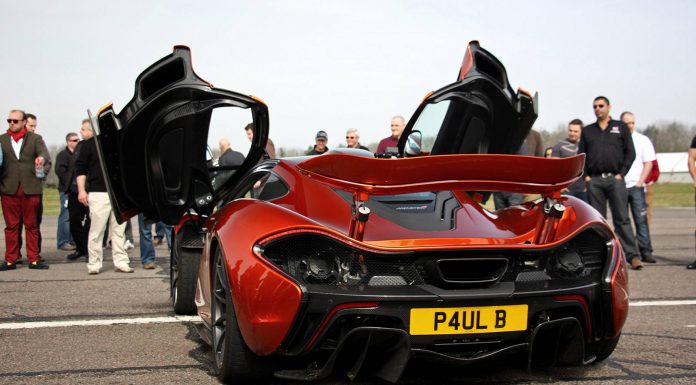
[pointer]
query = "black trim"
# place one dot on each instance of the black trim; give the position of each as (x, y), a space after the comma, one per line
(439, 212)
(485, 115)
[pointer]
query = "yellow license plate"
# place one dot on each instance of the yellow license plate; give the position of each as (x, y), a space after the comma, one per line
(468, 320)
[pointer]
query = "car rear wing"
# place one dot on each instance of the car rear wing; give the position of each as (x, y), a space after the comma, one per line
(468, 172)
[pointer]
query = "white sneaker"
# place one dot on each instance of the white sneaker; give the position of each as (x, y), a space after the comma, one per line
(128, 245)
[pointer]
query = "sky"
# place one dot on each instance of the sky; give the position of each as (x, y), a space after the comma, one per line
(330, 65)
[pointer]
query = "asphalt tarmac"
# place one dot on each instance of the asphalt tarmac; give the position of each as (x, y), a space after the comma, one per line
(116, 328)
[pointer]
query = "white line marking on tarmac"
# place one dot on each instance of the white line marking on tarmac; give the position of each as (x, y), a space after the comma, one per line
(664, 303)
(176, 319)
(99, 322)
(690, 326)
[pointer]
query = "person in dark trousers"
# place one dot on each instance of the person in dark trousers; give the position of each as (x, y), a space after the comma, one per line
(635, 183)
(64, 238)
(77, 212)
(162, 231)
(609, 152)
(692, 171)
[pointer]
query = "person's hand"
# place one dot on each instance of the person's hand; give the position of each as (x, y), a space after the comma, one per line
(618, 177)
(83, 197)
(39, 161)
(589, 178)
(639, 184)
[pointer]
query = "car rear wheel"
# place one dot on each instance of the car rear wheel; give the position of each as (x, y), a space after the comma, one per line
(606, 347)
(234, 362)
(183, 272)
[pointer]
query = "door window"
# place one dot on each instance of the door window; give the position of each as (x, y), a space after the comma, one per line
(227, 142)
(429, 123)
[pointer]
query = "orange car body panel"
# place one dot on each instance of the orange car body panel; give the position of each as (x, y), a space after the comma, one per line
(267, 301)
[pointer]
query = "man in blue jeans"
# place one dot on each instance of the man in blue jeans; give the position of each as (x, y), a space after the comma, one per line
(635, 183)
(147, 249)
(64, 173)
(162, 231)
(609, 154)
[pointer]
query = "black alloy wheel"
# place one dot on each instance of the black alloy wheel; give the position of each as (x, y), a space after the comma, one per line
(234, 362)
(183, 272)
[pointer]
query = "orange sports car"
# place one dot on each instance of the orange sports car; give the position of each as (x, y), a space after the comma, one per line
(352, 261)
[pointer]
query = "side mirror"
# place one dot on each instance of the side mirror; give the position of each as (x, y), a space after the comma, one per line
(413, 143)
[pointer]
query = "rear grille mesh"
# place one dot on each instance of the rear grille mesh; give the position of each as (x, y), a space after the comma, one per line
(313, 258)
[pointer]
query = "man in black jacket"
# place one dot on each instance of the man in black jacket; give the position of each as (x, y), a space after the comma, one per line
(320, 147)
(77, 212)
(228, 156)
(609, 152)
(63, 161)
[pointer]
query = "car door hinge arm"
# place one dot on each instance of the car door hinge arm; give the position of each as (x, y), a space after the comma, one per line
(361, 213)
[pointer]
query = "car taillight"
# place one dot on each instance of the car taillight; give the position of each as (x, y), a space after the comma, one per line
(315, 258)
(617, 281)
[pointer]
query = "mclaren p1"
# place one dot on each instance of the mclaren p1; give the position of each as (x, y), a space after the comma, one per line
(351, 261)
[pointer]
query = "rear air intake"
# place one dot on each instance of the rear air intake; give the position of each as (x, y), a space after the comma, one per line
(472, 270)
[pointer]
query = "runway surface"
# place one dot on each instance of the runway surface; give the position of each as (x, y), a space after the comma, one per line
(62, 326)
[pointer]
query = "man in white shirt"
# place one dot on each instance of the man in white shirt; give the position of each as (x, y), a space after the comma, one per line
(635, 183)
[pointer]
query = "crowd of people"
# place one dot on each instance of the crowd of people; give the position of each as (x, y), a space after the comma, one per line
(86, 223)
(620, 167)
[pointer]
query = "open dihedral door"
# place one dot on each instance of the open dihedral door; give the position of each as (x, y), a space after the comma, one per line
(477, 114)
(155, 152)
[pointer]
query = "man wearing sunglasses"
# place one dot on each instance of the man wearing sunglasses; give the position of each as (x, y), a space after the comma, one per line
(78, 213)
(63, 161)
(353, 139)
(609, 152)
(23, 153)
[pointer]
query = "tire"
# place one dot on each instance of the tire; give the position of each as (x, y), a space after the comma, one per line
(605, 348)
(234, 361)
(183, 273)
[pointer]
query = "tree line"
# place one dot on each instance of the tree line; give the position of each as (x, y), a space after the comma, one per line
(666, 136)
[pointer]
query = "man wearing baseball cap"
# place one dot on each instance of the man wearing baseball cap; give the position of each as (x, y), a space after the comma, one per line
(320, 147)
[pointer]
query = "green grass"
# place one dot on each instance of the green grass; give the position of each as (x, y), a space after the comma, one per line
(673, 195)
(51, 202)
(666, 195)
